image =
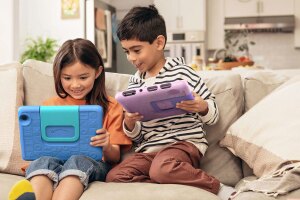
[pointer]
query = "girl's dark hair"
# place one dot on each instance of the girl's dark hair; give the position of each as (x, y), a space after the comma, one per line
(142, 23)
(85, 52)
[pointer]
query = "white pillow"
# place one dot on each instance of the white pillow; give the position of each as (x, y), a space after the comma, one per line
(268, 135)
(11, 88)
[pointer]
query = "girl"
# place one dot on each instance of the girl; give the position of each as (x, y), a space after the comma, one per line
(79, 79)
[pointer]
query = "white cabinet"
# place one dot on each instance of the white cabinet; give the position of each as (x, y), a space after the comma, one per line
(276, 7)
(215, 24)
(297, 25)
(182, 15)
(252, 8)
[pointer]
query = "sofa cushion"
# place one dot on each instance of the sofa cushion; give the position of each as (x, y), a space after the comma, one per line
(144, 191)
(267, 136)
(218, 161)
(116, 82)
(38, 82)
(125, 191)
(11, 87)
(6, 182)
(260, 84)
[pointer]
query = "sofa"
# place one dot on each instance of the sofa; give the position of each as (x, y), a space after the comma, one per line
(237, 93)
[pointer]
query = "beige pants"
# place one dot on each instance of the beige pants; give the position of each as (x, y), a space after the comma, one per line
(177, 164)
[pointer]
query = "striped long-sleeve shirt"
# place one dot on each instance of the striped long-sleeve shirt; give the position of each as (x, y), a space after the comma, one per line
(153, 135)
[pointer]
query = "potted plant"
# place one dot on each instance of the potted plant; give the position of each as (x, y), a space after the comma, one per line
(39, 49)
(237, 47)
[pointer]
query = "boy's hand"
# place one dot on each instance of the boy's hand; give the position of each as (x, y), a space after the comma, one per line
(101, 139)
(130, 119)
(198, 105)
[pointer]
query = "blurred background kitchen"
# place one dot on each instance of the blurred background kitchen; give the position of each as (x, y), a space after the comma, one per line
(254, 33)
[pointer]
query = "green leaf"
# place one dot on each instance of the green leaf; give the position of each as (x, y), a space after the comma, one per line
(39, 49)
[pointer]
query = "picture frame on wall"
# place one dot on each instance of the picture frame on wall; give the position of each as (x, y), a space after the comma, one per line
(101, 43)
(70, 9)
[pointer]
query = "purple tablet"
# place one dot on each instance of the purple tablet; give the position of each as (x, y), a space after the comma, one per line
(156, 101)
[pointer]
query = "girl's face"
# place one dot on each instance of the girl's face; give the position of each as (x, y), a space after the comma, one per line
(78, 79)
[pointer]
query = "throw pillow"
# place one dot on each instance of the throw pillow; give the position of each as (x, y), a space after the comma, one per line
(11, 86)
(267, 136)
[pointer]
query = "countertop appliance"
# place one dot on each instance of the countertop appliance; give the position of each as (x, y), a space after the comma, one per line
(100, 20)
(187, 44)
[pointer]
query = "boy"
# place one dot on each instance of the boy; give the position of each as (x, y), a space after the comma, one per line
(168, 150)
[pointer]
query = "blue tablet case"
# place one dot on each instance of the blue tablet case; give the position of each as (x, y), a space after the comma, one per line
(157, 101)
(59, 131)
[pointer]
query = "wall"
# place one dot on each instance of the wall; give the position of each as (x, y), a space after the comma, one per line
(275, 50)
(9, 30)
(43, 18)
(123, 6)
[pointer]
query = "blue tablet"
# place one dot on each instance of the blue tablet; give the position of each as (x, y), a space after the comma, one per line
(59, 131)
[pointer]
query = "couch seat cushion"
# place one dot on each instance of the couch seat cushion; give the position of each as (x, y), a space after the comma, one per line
(6, 182)
(145, 191)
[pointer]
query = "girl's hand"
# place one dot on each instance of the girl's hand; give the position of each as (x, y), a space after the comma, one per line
(130, 119)
(198, 105)
(101, 139)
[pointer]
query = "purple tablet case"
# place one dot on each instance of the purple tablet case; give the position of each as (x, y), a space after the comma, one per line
(156, 101)
(59, 131)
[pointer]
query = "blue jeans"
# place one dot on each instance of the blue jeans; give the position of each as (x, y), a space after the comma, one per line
(87, 169)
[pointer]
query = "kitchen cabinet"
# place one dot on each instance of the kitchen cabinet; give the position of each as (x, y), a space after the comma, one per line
(215, 24)
(253, 8)
(182, 15)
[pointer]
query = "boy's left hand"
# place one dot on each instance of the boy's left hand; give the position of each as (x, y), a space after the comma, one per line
(198, 105)
(101, 139)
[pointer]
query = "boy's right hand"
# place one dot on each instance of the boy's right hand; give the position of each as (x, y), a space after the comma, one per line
(130, 119)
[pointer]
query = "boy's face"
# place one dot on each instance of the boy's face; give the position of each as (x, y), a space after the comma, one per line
(144, 56)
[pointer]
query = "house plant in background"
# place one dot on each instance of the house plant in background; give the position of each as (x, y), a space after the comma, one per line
(39, 49)
(237, 49)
